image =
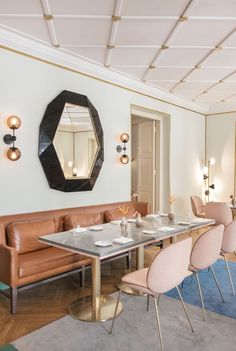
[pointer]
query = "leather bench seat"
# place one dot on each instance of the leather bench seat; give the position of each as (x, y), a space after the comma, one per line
(48, 259)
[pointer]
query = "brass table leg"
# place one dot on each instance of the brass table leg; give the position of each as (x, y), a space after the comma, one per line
(95, 308)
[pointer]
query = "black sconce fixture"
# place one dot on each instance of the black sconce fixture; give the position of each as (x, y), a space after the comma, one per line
(124, 139)
(13, 153)
(206, 177)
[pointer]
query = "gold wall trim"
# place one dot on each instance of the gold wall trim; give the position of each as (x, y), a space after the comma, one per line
(220, 113)
(95, 78)
(234, 158)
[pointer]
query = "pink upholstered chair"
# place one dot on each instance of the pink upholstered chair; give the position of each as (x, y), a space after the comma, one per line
(205, 253)
(167, 270)
(222, 214)
(198, 207)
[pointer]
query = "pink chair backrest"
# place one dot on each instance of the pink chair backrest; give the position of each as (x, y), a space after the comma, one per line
(206, 249)
(229, 238)
(169, 267)
(219, 211)
(197, 205)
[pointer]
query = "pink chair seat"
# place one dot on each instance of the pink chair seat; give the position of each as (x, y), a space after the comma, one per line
(137, 280)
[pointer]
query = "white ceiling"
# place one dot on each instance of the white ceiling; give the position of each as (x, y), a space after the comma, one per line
(186, 47)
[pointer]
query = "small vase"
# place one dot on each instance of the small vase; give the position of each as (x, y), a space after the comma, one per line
(140, 222)
(124, 227)
(171, 216)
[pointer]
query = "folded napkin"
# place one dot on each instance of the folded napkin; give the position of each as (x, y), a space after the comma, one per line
(166, 229)
(122, 240)
(199, 220)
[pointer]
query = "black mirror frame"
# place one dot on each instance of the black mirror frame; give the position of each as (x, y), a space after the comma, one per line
(47, 153)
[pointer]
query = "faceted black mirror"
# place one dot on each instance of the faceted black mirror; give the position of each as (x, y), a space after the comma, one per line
(71, 143)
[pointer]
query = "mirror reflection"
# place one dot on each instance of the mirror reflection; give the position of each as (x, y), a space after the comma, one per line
(75, 142)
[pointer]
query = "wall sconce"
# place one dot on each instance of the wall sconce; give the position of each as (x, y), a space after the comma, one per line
(124, 139)
(206, 177)
(13, 153)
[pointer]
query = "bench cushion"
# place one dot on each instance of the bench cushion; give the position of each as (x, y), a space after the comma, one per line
(24, 235)
(117, 213)
(84, 220)
(48, 259)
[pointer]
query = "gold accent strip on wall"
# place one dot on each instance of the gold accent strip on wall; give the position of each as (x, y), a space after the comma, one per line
(95, 78)
(220, 113)
(234, 158)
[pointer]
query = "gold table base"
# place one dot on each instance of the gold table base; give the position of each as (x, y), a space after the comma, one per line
(82, 309)
(130, 291)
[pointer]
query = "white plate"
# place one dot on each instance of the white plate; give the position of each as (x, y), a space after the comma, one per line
(131, 220)
(122, 240)
(166, 229)
(184, 223)
(103, 243)
(115, 222)
(96, 228)
(152, 215)
(149, 232)
(199, 220)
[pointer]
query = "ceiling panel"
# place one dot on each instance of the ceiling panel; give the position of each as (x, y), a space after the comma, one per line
(225, 57)
(132, 56)
(134, 72)
(218, 8)
(232, 98)
(167, 73)
(231, 41)
(144, 32)
(212, 97)
(153, 7)
(82, 7)
(229, 87)
(35, 27)
(232, 78)
(193, 86)
(163, 84)
(181, 57)
(22, 6)
(94, 54)
(199, 32)
(209, 74)
(187, 94)
(82, 32)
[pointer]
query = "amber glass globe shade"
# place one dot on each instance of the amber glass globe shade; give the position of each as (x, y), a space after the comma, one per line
(13, 153)
(13, 122)
(124, 159)
(124, 137)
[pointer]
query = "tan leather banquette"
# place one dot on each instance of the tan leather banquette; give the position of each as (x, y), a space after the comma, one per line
(24, 261)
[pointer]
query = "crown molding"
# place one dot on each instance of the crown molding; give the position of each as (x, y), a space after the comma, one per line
(37, 49)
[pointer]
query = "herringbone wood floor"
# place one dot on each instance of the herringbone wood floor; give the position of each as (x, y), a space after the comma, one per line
(39, 306)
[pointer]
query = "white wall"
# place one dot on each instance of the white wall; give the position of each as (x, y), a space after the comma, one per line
(28, 85)
(221, 146)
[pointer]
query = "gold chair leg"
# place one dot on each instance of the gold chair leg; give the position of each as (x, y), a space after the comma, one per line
(185, 310)
(158, 320)
(201, 297)
(148, 298)
(116, 308)
(229, 274)
(217, 284)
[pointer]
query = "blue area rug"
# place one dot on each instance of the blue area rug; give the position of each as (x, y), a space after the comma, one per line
(8, 348)
(3, 286)
(211, 296)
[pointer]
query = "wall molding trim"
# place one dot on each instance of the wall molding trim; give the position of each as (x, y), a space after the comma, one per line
(35, 49)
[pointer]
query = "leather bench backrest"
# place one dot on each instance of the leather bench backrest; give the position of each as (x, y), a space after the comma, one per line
(118, 213)
(24, 235)
(84, 220)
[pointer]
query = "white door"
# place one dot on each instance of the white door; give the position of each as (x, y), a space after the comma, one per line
(146, 163)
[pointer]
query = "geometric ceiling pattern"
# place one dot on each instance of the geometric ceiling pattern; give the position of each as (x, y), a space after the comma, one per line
(186, 47)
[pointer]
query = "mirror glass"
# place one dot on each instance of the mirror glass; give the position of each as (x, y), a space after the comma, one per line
(76, 142)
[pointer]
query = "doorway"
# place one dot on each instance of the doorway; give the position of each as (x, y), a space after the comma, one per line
(145, 160)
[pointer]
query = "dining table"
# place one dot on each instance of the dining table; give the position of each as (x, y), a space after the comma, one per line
(104, 242)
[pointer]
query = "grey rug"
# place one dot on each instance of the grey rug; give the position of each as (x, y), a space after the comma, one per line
(135, 330)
